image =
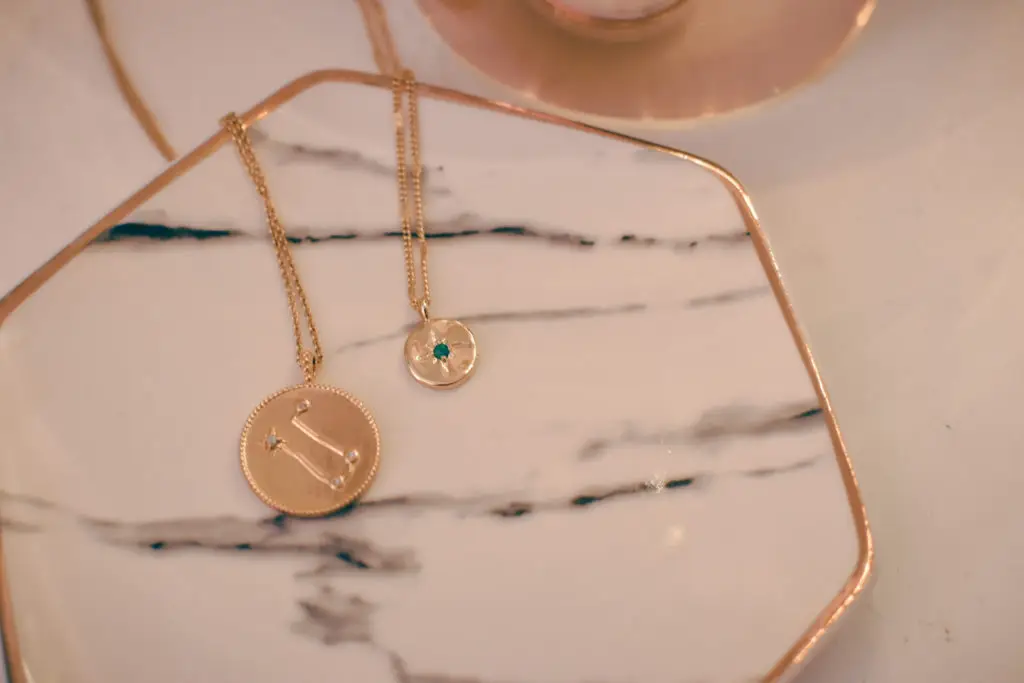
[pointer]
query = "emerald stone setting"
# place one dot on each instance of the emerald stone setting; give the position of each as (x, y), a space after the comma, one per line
(440, 353)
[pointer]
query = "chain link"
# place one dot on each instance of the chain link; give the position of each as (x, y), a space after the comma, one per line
(412, 211)
(309, 360)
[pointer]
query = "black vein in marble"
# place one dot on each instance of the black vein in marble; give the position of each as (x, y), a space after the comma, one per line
(339, 158)
(598, 495)
(402, 674)
(570, 313)
(15, 507)
(729, 296)
(725, 238)
(714, 425)
(509, 507)
(10, 524)
(512, 507)
(763, 472)
(334, 552)
(334, 618)
(503, 506)
(341, 619)
(456, 228)
(465, 226)
(163, 233)
(747, 421)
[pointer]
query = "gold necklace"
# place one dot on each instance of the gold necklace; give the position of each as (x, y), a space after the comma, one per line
(308, 449)
(440, 354)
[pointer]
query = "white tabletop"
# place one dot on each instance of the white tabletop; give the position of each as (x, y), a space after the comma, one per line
(890, 191)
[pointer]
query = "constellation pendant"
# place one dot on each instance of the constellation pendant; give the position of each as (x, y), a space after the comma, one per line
(441, 354)
(310, 450)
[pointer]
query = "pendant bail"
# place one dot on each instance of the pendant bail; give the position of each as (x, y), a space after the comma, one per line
(309, 363)
(424, 310)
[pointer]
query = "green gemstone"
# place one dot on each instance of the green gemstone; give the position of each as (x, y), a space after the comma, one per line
(441, 351)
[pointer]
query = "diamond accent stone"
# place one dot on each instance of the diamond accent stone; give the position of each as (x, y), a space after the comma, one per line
(337, 482)
(352, 456)
(273, 441)
(302, 406)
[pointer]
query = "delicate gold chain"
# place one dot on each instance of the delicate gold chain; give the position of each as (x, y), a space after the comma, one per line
(401, 85)
(309, 359)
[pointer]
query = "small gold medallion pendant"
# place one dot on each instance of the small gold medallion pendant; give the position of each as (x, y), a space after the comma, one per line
(310, 450)
(441, 354)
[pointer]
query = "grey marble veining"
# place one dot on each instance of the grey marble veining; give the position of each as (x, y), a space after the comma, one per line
(283, 153)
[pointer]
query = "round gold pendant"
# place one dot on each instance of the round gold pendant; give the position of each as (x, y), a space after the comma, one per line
(310, 450)
(441, 354)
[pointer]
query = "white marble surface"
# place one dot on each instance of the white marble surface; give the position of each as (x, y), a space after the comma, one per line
(639, 471)
(890, 191)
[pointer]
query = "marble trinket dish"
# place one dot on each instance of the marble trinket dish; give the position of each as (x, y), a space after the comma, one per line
(643, 482)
